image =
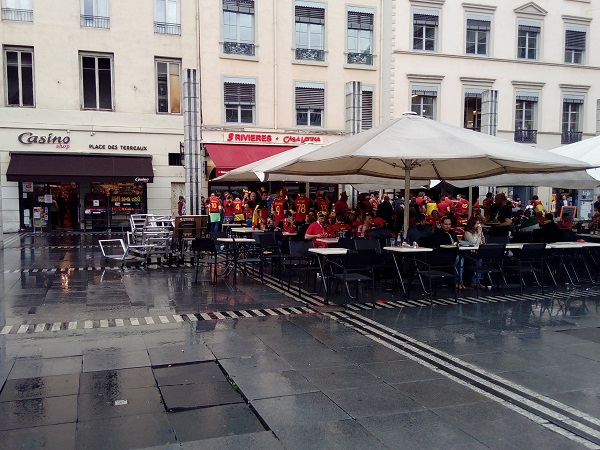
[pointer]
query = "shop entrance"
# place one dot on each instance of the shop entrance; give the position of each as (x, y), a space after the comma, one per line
(50, 205)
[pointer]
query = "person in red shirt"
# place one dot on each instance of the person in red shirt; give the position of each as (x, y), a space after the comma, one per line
(238, 208)
(444, 205)
(322, 202)
(565, 222)
(289, 225)
(214, 211)
(228, 208)
(302, 204)
(340, 226)
(341, 206)
(434, 218)
(278, 208)
(486, 204)
(317, 230)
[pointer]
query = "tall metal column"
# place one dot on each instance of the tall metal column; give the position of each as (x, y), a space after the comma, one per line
(192, 132)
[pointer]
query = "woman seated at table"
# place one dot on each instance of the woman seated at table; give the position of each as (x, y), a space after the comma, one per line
(474, 235)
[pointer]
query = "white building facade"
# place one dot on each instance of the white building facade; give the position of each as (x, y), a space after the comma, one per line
(92, 96)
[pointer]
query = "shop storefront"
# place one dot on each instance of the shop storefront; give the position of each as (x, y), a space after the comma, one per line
(79, 191)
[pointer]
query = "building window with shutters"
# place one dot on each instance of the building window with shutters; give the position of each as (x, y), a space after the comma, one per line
(240, 100)
(310, 104)
(17, 10)
(168, 86)
(97, 82)
(425, 26)
(528, 39)
(571, 119)
(478, 34)
(367, 108)
(18, 76)
(526, 117)
(238, 27)
(472, 109)
(310, 31)
(94, 14)
(575, 44)
(423, 101)
(360, 36)
(167, 17)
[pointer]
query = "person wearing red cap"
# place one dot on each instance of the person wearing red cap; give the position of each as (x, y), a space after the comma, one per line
(279, 208)
(341, 206)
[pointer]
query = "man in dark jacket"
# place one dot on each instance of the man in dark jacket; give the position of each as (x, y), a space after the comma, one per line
(444, 235)
(421, 233)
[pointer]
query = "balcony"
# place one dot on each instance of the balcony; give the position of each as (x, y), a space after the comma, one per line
(167, 28)
(95, 22)
(18, 15)
(308, 54)
(526, 136)
(360, 58)
(238, 48)
(569, 137)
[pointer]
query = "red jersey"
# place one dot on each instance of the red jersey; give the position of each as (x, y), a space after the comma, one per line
(214, 204)
(228, 208)
(278, 208)
(462, 208)
(322, 205)
(302, 203)
(238, 206)
(340, 206)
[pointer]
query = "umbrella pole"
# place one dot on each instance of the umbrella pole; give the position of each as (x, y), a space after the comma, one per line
(406, 196)
(471, 201)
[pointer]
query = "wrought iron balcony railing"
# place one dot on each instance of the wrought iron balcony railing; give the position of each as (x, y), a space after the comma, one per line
(526, 136)
(309, 54)
(568, 137)
(95, 22)
(167, 28)
(238, 48)
(360, 58)
(18, 15)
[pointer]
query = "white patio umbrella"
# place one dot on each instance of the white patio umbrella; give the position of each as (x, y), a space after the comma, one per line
(414, 148)
(587, 151)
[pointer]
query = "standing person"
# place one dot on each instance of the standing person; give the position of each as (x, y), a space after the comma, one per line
(538, 206)
(261, 212)
(214, 211)
(385, 210)
(228, 208)
(341, 206)
(181, 208)
(53, 214)
(238, 208)
(279, 209)
(302, 204)
(322, 202)
(461, 208)
(502, 212)
(61, 201)
(486, 205)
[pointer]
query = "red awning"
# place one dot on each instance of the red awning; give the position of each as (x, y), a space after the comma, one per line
(227, 157)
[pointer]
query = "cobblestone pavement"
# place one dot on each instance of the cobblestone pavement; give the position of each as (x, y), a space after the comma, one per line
(92, 356)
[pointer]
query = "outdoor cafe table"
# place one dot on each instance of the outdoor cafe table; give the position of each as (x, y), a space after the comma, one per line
(243, 230)
(402, 252)
(327, 241)
(228, 226)
(322, 255)
(235, 245)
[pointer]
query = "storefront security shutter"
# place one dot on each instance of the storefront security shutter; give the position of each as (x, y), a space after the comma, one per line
(239, 94)
(360, 20)
(310, 98)
(306, 14)
(367, 110)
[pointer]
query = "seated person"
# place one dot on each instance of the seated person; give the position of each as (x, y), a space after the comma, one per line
(318, 229)
(380, 231)
(444, 235)
(550, 232)
(340, 226)
(566, 222)
(289, 224)
(434, 218)
(529, 222)
(420, 232)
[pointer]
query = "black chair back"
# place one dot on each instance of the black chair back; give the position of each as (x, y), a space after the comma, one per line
(346, 243)
(368, 244)
(491, 252)
(205, 245)
(491, 239)
(443, 257)
(299, 249)
(532, 252)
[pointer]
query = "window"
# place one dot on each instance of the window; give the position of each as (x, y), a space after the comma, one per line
(240, 100)
(17, 10)
(425, 24)
(97, 82)
(525, 117)
(310, 103)
(310, 31)
(571, 119)
(168, 86)
(175, 159)
(167, 18)
(478, 34)
(574, 44)
(238, 27)
(19, 76)
(423, 101)
(94, 14)
(367, 108)
(360, 36)
(472, 109)
(528, 38)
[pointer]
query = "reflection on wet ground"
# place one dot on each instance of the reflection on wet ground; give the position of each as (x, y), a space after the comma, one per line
(235, 366)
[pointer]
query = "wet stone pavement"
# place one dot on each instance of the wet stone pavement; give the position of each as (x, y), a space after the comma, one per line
(92, 356)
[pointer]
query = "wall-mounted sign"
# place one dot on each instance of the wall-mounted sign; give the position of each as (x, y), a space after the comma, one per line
(267, 138)
(29, 138)
(27, 186)
(142, 180)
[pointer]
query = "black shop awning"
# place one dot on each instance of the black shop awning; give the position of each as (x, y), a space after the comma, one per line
(60, 167)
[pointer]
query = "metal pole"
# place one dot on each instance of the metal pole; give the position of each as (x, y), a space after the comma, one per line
(406, 196)
(192, 132)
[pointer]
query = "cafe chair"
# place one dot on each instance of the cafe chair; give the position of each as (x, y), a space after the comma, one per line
(301, 262)
(354, 267)
(208, 254)
(441, 265)
(488, 260)
(529, 260)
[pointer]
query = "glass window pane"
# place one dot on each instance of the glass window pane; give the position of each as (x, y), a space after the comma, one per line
(315, 118)
(89, 88)
(231, 114)
(159, 11)
(12, 58)
(103, 64)
(105, 89)
(88, 62)
(12, 82)
(161, 68)
(26, 58)
(88, 7)
(27, 84)
(246, 115)
(301, 117)
(175, 95)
